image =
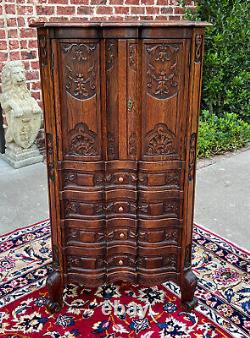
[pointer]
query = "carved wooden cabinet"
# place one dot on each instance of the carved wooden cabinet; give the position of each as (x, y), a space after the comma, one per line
(121, 104)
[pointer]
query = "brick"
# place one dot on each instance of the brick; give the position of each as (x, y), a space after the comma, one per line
(137, 10)
(25, 10)
(85, 10)
(82, 19)
(12, 33)
(21, 21)
(14, 44)
(162, 2)
(36, 95)
(116, 2)
(167, 10)
(32, 75)
(79, 2)
(32, 44)
(121, 10)
(161, 17)
(62, 2)
(35, 86)
(34, 65)
(98, 2)
(152, 10)
(148, 17)
(24, 44)
(174, 17)
(3, 56)
(67, 10)
(27, 32)
(59, 19)
(32, 54)
(179, 10)
(3, 45)
(15, 55)
(2, 34)
(132, 2)
(104, 10)
(147, 2)
(45, 10)
(10, 9)
(12, 22)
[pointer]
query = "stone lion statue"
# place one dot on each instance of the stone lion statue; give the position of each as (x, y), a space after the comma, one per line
(23, 114)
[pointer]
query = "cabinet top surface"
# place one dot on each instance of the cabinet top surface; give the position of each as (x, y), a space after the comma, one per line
(142, 24)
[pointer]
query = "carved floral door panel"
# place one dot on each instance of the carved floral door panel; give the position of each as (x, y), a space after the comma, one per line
(164, 97)
(80, 111)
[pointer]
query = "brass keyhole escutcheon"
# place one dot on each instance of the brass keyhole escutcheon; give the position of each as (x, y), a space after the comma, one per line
(130, 104)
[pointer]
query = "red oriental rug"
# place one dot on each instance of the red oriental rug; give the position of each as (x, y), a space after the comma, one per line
(123, 311)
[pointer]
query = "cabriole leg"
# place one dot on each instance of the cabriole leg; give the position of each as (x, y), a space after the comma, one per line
(188, 286)
(55, 289)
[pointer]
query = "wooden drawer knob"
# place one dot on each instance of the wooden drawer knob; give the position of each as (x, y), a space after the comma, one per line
(122, 235)
(120, 262)
(120, 179)
(120, 209)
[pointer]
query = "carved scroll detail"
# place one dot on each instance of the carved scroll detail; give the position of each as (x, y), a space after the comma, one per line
(192, 157)
(71, 207)
(80, 70)
(161, 70)
(110, 50)
(50, 156)
(132, 56)
(159, 141)
(83, 141)
(111, 145)
(43, 50)
(198, 48)
(132, 146)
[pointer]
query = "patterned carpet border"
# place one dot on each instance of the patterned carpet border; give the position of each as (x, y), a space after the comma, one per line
(223, 270)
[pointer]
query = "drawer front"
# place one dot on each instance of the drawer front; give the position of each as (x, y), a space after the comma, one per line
(81, 232)
(163, 263)
(161, 175)
(81, 176)
(84, 258)
(169, 236)
(160, 204)
(121, 262)
(82, 204)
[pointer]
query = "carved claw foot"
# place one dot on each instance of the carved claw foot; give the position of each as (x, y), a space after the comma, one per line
(55, 289)
(188, 286)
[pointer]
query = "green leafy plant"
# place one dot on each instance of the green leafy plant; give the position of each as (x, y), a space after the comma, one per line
(220, 134)
(226, 85)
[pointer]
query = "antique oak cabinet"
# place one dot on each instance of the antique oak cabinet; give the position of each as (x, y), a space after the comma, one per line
(121, 104)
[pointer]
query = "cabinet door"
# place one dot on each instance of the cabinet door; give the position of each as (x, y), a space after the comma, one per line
(80, 156)
(164, 110)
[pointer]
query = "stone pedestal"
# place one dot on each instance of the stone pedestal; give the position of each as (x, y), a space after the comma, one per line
(18, 157)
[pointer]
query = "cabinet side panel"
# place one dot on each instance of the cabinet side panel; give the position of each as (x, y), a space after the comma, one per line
(46, 66)
(192, 133)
